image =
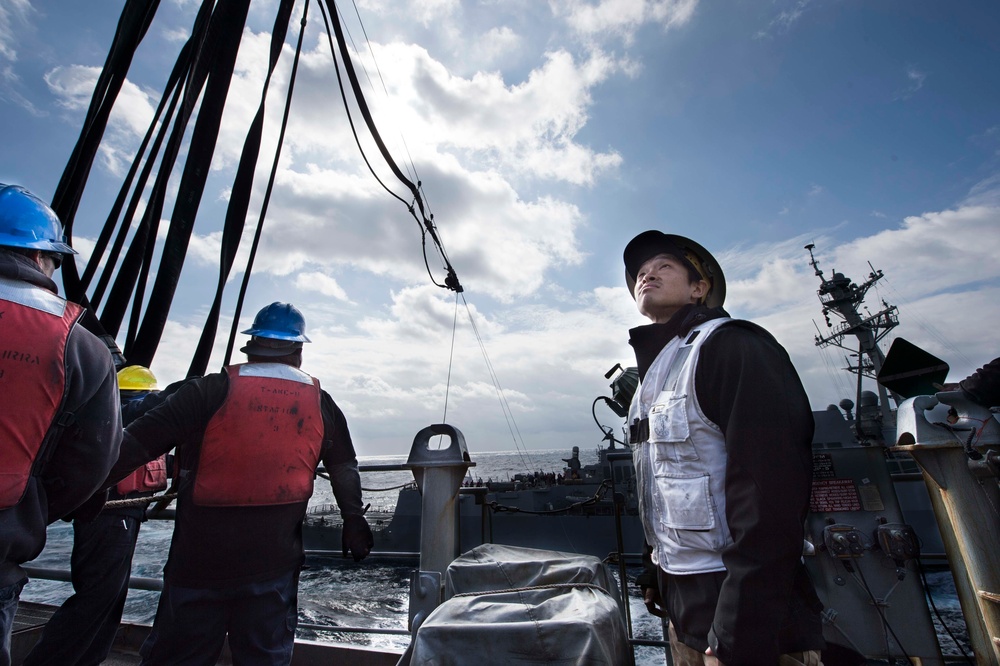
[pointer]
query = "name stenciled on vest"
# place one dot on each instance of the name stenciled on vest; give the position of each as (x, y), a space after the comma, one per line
(295, 393)
(21, 357)
(257, 407)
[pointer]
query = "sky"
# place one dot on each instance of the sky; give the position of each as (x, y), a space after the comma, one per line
(546, 134)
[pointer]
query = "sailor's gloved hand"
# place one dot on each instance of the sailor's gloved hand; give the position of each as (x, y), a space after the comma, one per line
(648, 583)
(654, 604)
(357, 537)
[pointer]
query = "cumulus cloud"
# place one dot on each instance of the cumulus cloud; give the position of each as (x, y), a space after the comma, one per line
(73, 87)
(528, 128)
(322, 283)
(622, 18)
(938, 278)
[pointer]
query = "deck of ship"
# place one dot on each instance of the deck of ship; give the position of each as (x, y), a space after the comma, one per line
(31, 618)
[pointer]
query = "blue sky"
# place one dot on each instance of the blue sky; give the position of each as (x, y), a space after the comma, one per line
(546, 135)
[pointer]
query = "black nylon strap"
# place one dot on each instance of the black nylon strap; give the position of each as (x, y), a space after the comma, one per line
(132, 25)
(170, 94)
(129, 272)
(224, 35)
(239, 199)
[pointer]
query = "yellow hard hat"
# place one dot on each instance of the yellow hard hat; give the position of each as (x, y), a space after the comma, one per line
(136, 378)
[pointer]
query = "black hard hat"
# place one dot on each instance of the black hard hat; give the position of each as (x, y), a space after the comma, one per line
(650, 243)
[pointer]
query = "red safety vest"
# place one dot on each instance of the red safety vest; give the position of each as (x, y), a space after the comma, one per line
(263, 445)
(150, 477)
(34, 327)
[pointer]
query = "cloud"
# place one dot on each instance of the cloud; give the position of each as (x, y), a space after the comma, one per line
(73, 87)
(321, 283)
(528, 128)
(500, 244)
(914, 82)
(479, 140)
(15, 16)
(784, 19)
(938, 279)
(15, 20)
(623, 18)
(497, 43)
(549, 359)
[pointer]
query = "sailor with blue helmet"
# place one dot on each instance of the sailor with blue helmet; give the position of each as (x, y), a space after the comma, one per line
(721, 431)
(248, 442)
(60, 427)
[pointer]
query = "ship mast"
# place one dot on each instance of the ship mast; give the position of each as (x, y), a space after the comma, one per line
(844, 298)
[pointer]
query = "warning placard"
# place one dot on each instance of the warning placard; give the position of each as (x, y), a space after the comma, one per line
(834, 495)
(823, 466)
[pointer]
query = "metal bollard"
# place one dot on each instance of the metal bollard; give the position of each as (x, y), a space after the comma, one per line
(964, 494)
(439, 473)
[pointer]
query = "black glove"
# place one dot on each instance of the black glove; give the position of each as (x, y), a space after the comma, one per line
(649, 584)
(357, 537)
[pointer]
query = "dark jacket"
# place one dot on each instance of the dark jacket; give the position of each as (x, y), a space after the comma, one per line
(83, 453)
(747, 386)
(983, 385)
(215, 547)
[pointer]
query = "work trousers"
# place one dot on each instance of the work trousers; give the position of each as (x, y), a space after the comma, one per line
(82, 630)
(688, 656)
(8, 608)
(191, 624)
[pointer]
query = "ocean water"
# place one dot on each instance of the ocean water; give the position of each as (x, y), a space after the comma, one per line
(338, 592)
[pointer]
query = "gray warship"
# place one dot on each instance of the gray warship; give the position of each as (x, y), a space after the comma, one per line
(863, 546)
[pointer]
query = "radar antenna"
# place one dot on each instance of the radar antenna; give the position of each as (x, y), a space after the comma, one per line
(843, 298)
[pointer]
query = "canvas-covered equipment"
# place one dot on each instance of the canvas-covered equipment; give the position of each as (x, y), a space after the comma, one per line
(511, 605)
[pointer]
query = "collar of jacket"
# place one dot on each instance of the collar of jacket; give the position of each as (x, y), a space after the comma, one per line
(16, 266)
(647, 341)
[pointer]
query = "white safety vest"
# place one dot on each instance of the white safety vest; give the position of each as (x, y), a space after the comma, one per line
(681, 467)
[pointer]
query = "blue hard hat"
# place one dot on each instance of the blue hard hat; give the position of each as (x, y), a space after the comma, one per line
(279, 321)
(27, 221)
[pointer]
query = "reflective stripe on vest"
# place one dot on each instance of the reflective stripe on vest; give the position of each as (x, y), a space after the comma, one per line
(263, 445)
(34, 327)
(149, 478)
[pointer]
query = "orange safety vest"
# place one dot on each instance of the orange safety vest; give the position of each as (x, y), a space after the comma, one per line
(150, 477)
(263, 445)
(34, 327)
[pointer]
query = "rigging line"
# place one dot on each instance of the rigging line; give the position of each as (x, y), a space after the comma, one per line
(350, 117)
(504, 405)
(881, 613)
(385, 91)
(366, 112)
(267, 192)
(451, 279)
(451, 358)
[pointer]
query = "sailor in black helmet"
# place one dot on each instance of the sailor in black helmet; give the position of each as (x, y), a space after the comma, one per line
(248, 442)
(721, 429)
